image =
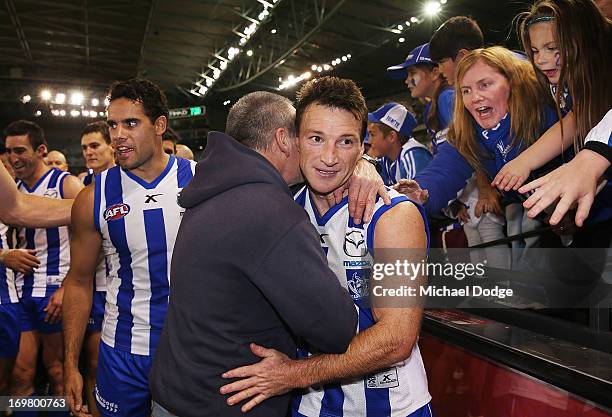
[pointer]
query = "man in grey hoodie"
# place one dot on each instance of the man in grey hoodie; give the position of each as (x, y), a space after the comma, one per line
(247, 267)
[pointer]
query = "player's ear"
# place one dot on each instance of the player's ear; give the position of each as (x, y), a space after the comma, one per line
(42, 150)
(161, 124)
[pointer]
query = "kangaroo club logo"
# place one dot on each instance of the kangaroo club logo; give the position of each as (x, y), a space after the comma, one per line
(116, 211)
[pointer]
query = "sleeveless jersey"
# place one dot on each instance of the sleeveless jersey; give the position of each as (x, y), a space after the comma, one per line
(52, 245)
(138, 222)
(395, 392)
(8, 291)
(413, 157)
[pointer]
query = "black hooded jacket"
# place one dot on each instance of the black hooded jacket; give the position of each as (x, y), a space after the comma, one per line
(247, 267)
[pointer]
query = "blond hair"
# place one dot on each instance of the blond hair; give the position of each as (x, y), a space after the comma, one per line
(525, 103)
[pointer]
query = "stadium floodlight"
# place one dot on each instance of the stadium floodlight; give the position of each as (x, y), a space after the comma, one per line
(76, 98)
(432, 8)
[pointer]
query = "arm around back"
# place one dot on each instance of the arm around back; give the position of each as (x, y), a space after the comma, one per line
(295, 277)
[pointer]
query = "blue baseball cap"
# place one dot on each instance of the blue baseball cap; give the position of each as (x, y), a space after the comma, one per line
(396, 116)
(419, 55)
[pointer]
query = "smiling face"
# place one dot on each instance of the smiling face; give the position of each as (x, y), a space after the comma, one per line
(98, 154)
(330, 146)
(545, 50)
(25, 160)
(485, 94)
(133, 136)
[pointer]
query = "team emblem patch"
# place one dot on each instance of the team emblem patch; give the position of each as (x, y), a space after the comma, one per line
(51, 194)
(357, 283)
(116, 211)
(354, 244)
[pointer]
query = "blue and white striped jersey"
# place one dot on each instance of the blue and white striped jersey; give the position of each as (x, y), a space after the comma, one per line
(102, 268)
(602, 132)
(413, 158)
(8, 291)
(395, 392)
(138, 222)
(52, 245)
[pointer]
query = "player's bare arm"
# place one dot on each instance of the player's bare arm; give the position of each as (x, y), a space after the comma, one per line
(18, 209)
(85, 245)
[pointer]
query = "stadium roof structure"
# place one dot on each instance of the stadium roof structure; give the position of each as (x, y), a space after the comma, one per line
(213, 51)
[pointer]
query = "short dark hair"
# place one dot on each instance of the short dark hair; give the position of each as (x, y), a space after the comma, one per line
(145, 92)
(338, 93)
(97, 127)
(35, 134)
(254, 118)
(385, 129)
(459, 32)
(171, 134)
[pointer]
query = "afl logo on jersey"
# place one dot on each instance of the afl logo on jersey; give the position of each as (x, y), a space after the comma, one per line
(116, 211)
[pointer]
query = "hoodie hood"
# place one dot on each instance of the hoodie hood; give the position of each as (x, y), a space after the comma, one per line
(228, 164)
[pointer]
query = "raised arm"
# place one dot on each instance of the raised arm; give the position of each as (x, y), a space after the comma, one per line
(85, 245)
(576, 181)
(548, 146)
(19, 209)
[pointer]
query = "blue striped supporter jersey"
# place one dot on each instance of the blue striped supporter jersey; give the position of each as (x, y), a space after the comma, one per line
(395, 392)
(138, 222)
(52, 245)
(413, 157)
(8, 291)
